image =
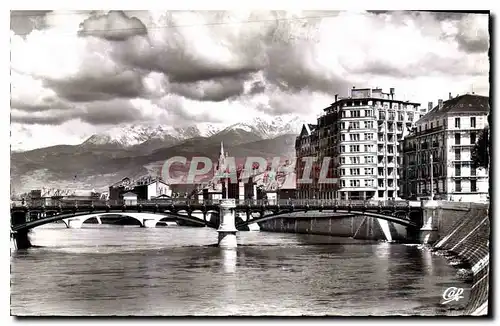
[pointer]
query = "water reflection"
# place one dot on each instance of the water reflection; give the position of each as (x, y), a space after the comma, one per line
(177, 271)
(229, 258)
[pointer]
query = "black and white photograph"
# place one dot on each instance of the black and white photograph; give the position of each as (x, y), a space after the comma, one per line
(257, 163)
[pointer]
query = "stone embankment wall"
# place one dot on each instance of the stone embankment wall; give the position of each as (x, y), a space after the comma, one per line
(468, 238)
(358, 227)
(450, 213)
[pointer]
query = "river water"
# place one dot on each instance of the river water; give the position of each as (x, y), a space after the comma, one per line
(112, 270)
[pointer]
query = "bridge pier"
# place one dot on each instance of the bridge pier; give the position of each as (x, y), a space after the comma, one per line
(74, 223)
(227, 228)
(429, 231)
(149, 223)
(19, 240)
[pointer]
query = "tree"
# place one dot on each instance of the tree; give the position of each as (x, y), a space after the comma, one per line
(481, 151)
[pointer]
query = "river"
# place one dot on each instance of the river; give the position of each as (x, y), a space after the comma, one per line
(169, 271)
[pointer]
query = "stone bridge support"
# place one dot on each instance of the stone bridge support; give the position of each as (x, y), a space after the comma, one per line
(429, 232)
(19, 240)
(227, 228)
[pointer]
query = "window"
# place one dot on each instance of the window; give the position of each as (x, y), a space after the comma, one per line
(342, 171)
(342, 114)
(342, 149)
(368, 183)
(342, 160)
(473, 122)
(368, 148)
(369, 136)
(354, 160)
(457, 154)
(432, 125)
(473, 186)
(457, 122)
(457, 170)
(353, 125)
(368, 171)
(368, 113)
(355, 114)
(355, 183)
(342, 183)
(354, 137)
(355, 172)
(473, 171)
(458, 186)
(342, 125)
(457, 139)
(472, 138)
(368, 159)
(342, 137)
(354, 148)
(368, 124)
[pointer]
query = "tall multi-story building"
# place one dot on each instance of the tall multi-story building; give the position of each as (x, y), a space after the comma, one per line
(306, 145)
(448, 133)
(360, 134)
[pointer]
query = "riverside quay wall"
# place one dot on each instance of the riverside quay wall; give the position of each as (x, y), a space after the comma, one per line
(469, 240)
(329, 223)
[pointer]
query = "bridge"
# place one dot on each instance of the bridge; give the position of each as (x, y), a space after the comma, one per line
(149, 213)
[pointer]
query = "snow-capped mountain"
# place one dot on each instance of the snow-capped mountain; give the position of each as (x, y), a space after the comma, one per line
(131, 135)
(271, 127)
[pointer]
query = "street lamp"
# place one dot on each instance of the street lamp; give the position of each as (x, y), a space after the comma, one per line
(432, 177)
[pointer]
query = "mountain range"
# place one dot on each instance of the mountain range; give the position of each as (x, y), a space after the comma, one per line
(135, 150)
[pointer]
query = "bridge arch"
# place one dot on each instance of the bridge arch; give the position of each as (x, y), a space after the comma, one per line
(84, 219)
(388, 216)
(88, 215)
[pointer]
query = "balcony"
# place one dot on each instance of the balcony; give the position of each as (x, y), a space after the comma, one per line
(410, 148)
(429, 130)
(463, 145)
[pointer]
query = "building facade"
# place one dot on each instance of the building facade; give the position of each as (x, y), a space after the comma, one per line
(146, 188)
(221, 187)
(448, 134)
(360, 135)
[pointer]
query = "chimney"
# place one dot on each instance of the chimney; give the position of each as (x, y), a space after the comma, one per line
(430, 106)
(449, 96)
(440, 103)
(336, 97)
(391, 91)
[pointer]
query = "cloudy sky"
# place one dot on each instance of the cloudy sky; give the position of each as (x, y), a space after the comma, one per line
(75, 73)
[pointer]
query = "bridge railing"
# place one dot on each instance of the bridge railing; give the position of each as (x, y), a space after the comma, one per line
(249, 202)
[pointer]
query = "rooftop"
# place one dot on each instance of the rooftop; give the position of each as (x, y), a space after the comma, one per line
(461, 104)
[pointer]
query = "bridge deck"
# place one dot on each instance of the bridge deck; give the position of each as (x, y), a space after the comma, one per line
(395, 211)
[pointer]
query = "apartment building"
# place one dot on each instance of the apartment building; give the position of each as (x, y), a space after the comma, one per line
(448, 133)
(360, 134)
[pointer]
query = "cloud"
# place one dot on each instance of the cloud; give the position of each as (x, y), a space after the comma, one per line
(113, 26)
(46, 117)
(23, 22)
(185, 67)
(111, 112)
(98, 87)
(473, 35)
(215, 90)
